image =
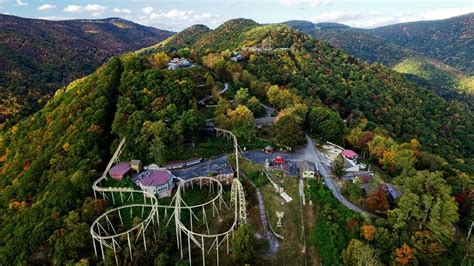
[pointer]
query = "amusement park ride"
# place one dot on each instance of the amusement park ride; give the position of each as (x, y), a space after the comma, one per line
(106, 232)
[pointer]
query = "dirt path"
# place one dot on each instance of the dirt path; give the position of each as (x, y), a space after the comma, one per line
(272, 240)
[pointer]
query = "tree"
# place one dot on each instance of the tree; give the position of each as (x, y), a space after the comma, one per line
(254, 105)
(404, 254)
(368, 232)
(426, 204)
(184, 52)
(337, 167)
(327, 123)
(242, 122)
(243, 244)
(378, 200)
(242, 96)
(358, 253)
(159, 60)
(281, 98)
(288, 130)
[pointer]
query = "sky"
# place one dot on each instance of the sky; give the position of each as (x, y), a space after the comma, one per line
(176, 15)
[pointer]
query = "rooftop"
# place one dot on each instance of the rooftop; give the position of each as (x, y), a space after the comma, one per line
(119, 169)
(349, 153)
(155, 177)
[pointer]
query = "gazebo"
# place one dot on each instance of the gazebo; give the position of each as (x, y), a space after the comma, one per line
(120, 170)
(278, 161)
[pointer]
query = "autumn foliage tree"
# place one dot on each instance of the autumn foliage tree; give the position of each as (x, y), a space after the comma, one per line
(368, 232)
(378, 200)
(159, 60)
(404, 254)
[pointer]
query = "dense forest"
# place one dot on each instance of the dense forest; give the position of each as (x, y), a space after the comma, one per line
(423, 143)
(428, 52)
(39, 56)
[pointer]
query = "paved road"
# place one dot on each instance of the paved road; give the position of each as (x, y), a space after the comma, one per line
(226, 87)
(269, 111)
(323, 165)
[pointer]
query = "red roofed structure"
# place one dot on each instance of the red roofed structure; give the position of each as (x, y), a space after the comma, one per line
(278, 160)
(120, 170)
(350, 154)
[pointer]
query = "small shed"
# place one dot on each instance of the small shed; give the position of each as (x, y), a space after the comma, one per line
(307, 169)
(393, 193)
(136, 165)
(269, 149)
(350, 154)
(120, 170)
(158, 182)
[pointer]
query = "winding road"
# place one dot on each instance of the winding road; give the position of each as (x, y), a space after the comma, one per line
(203, 101)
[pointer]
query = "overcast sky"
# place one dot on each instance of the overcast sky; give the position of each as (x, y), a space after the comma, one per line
(178, 14)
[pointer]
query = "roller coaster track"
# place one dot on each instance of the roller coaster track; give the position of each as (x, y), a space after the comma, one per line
(106, 233)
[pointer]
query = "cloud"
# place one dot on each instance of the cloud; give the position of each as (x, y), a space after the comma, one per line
(21, 3)
(122, 11)
(301, 2)
(147, 10)
(375, 19)
(183, 15)
(178, 19)
(55, 18)
(91, 8)
(46, 7)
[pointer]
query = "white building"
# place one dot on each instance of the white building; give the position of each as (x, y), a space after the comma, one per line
(158, 182)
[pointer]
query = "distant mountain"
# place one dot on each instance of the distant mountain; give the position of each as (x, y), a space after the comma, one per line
(442, 46)
(39, 56)
(450, 41)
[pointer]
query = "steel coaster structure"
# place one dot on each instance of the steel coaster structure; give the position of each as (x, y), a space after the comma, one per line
(108, 229)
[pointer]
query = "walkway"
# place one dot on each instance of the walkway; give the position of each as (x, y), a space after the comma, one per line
(272, 240)
(203, 101)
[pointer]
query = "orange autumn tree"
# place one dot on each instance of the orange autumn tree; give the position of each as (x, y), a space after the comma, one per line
(368, 232)
(404, 254)
(378, 201)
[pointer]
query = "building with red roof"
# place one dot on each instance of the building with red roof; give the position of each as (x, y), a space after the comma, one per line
(158, 182)
(120, 170)
(350, 154)
(278, 160)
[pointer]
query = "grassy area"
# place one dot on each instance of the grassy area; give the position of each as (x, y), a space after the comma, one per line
(291, 248)
(209, 147)
(253, 172)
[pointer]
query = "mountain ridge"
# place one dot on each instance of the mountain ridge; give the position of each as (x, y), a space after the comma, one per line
(39, 56)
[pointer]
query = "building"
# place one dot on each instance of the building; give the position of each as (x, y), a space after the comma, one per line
(269, 149)
(307, 169)
(350, 154)
(120, 170)
(237, 57)
(158, 182)
(350, 165)
(264, 121)
(136, 165)
(176, 63)
(393, 193)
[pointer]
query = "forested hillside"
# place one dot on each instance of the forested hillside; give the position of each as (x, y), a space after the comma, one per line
(449, 40)
(408, 48)
(422, 142)
(39, 56)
